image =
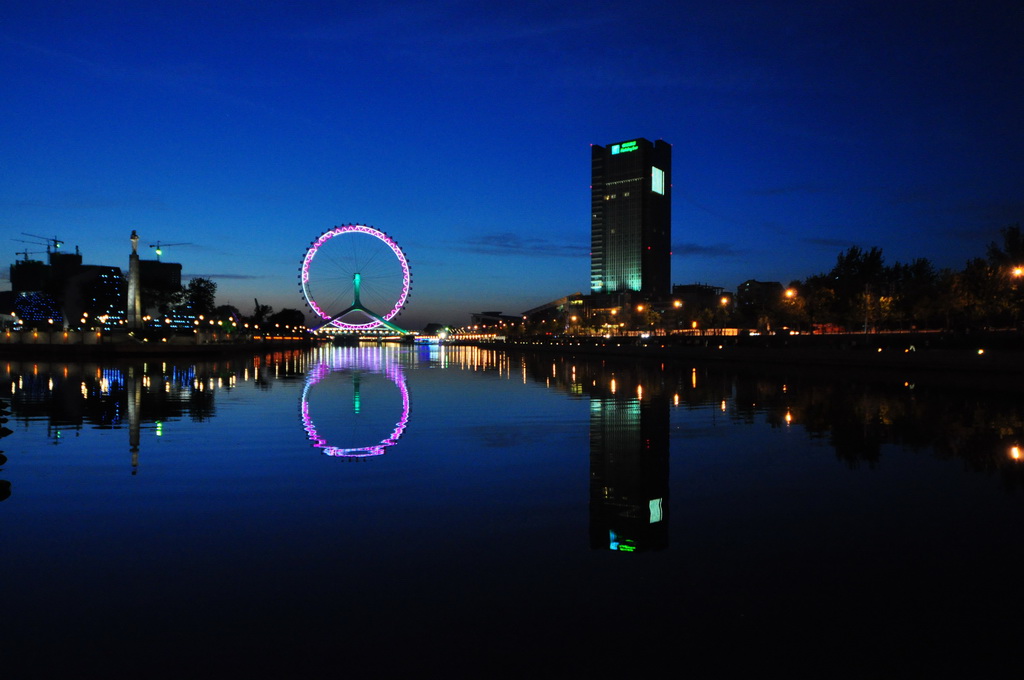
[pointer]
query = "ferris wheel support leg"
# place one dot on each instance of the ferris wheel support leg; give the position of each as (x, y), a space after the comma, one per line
(357, 307)
(350, 308)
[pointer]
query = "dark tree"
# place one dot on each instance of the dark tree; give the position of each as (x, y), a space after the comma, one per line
(288, 317)
(260, 313)
(1010, 253)
(227, 312)
(977, 294)
(855, 292)
(819, 295)
(201, 295)
(161, 300)
(915, 291)
(1007, 262)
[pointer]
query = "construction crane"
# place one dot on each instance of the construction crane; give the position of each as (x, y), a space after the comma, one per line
(54, 242)
(159, 247)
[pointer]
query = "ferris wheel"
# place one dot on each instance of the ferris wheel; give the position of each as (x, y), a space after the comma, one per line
(355, 278)
(362, 375)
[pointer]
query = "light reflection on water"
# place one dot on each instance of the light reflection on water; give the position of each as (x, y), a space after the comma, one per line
(355, 368)
(500, 501)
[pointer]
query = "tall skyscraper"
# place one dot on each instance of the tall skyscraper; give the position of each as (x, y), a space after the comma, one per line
(630, 218)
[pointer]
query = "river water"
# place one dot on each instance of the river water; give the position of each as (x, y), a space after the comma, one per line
(460, 509)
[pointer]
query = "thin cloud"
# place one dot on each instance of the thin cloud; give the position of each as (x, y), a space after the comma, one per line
(215, 277)
(828, 242)
(507, 243)
(701, 250)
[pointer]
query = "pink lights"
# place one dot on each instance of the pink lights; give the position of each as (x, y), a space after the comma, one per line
(396, 287)
(366, 360)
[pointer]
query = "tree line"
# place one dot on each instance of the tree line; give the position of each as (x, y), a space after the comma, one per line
(862, 292)
(199, 297)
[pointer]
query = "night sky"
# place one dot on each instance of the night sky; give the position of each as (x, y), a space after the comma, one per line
(245, 129)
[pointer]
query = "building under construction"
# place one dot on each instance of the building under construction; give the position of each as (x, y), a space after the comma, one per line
(62, 292)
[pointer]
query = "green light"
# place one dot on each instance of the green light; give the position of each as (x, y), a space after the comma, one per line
(625, 147)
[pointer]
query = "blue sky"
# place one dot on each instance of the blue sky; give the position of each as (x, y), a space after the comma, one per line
(246, 129)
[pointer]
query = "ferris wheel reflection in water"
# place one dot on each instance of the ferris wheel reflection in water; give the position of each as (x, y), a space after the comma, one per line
(356, 368)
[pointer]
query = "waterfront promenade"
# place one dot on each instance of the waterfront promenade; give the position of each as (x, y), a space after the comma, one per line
(993, 358)
(988, 358)
(142, 343)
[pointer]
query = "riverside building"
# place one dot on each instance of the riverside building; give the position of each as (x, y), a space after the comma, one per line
(630, 218)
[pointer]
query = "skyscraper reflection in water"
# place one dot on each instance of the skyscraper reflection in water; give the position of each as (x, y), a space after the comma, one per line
(629, 473)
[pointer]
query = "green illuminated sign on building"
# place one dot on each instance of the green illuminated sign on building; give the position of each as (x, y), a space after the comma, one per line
(625, 147)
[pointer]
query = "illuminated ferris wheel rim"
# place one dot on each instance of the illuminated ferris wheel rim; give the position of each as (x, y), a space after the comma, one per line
(392, 372)
(355, 229)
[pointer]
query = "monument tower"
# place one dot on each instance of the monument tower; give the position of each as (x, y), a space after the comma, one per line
(134, 311)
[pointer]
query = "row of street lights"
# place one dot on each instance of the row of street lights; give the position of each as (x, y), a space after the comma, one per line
(614, 324)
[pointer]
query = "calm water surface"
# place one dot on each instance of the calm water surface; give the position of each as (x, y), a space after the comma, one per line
(462, 509)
